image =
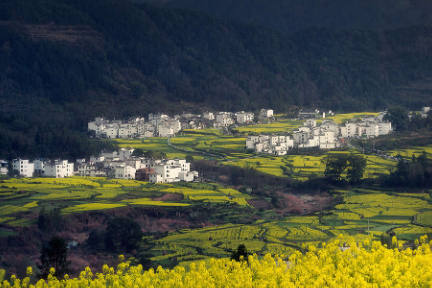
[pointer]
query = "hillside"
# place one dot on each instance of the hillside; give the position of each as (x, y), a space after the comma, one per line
(64, 62)
(289, 16)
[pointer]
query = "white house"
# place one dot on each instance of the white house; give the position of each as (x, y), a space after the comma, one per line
(109, 154)
(349, 130)
(224, 119)
(300, 137)
(125, 172)
(310, 123)
(327, 140)
(24, 167)
(125, 153)
(165, 131)
(384, 128)
(110, 131)
(39, 166)
(96, 159)
(86, 169)
(266, 113)
(244, 117)
(171, 171)
(4, 167)
(187, 176)
(126, 131)
(330, 125)
(313, 141)
(372, 130)
(208, 115)
(59, 169)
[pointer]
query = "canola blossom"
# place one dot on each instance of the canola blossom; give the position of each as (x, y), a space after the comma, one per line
(354, 265)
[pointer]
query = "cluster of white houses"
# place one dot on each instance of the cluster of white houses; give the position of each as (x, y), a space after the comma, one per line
(39, 167)
(161, 125)
(328, 135)
(122, 165)
(113, 164)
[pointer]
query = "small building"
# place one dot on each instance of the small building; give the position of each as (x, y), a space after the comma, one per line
(266, 113)
(24, 167)
(39, 166)
(59, 169)
(244, 117)
(224, 119)
(125, 154)
(168, 171)
(4, 167)
(208, 115)
(87, 169)
(125, 172)
(384, 128)
(372, 130)
(349, 130)
(308, 113)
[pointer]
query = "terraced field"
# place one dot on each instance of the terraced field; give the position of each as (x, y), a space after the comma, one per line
(153, 144)
(340, 118)
(80, 194)
(275, 127)
(218, 241)
(424, 218)
(417, 151)
(301, 167)
(364, 214)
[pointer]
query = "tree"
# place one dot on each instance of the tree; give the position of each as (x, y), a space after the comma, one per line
(50, 220)
(398, 117)
(54, 255)
(357, 166)
(138, 152)
(95, 239)
(144, 258)
(335, 165)
(189, 158)
(123, 234)
(155, 155)
(240, 254)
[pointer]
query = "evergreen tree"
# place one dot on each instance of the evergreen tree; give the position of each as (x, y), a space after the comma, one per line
(240, 254)
(123, 234)
(54, 255)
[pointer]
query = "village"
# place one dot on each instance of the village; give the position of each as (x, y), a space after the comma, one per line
(315, 132)
(121, 164)
(161, 125)
(328, 135)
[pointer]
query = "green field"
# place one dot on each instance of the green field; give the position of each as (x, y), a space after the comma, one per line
(301, 167)
(153, 144)
(193, 142)
(424, 218)
(340, 118)
(80, 194)
(275, 127)
(365, 212)
(210, 140)
(417, 151)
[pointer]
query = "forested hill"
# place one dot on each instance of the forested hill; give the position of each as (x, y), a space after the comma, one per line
(63, 62)
(289, 16)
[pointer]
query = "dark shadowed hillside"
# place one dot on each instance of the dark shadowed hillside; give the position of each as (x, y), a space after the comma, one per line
(289, 16)
(64, 62)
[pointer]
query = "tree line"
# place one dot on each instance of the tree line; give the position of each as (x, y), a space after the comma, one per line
(52, 88)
